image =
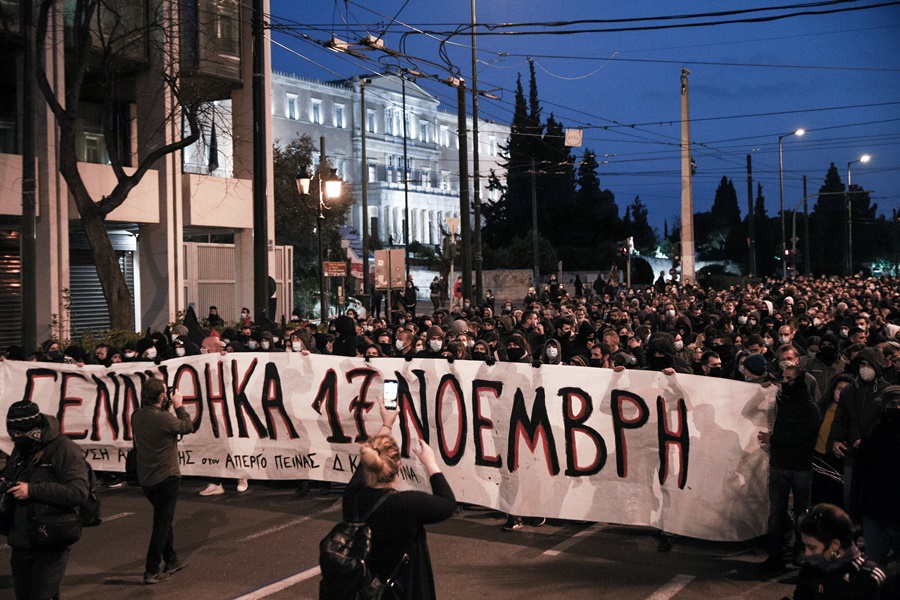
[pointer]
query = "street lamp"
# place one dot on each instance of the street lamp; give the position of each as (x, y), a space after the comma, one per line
(862, 159)
(329, 186)
(798, 133)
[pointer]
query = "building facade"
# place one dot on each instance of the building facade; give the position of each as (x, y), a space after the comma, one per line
(206, 45)
(431, 185)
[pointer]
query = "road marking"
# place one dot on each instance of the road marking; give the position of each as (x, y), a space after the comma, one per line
(117, 516)
(274, 529)
(678, 583)
(260, 534)
(568, 543)
(281, 585)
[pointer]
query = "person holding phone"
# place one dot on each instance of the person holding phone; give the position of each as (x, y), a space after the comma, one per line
(399, 546)
(156, 433)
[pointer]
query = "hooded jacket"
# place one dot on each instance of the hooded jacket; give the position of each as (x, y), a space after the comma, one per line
(796, 427)
(57, 483)
(859, 408)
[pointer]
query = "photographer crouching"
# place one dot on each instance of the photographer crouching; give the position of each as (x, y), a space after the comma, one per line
(156, 432)
(44, 480)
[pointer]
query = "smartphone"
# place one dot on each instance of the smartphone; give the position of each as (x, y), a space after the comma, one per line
(168, 401)
(390, 394)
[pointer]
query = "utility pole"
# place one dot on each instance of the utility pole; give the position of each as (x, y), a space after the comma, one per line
(476, 181)
(27, 228)
(534, 229)
(806, 267)
(465, 251)
(751, 218)
(687, 202)
(405, 181)
(365, 190)
(260, 144)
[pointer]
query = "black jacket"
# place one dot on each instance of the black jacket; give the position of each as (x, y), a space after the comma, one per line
(875, 487)
(796, 429)
(57, 483)
(857, 580)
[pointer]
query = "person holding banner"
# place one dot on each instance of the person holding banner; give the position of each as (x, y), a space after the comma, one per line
(399, 545)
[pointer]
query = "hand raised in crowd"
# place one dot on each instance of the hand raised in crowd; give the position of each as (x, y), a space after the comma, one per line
(426, 455)
(177, 399)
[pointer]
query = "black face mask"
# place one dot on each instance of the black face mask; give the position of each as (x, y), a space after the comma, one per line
(792, 388)
(386, 349)
(658, 363)
(479, 355)
(515, 354)
(725, 352)
(827, 354)
(595, 362)
(715, 371)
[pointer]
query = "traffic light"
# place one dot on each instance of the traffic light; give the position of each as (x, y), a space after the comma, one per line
(623, 246)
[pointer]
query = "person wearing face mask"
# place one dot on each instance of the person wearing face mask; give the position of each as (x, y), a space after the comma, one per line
(403, 344)
(551, 353)
(434, 343)
(874, 497)
(832, 567)
(346, 341)
(49, 479)
(482, 351)
(791, 443)
(244, 320)
(517, 349)
(787, 357)
(146, 351)
(711, 364)
(859, 410)
(661, 355)
(826, 363)
(52, 352)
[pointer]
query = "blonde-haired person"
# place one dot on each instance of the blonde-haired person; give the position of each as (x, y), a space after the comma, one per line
(398, 524)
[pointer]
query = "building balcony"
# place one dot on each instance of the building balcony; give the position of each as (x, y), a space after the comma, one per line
(142, 204)
(217, 201)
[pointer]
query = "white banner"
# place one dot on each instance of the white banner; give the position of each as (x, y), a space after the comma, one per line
(675, 452)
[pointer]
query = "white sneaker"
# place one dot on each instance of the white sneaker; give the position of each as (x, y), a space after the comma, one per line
(243, 484)
(213, 489)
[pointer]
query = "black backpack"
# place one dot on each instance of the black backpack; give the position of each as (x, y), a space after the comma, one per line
(89, 510)
(345, 556)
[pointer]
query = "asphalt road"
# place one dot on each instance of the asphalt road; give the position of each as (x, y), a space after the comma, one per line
(264, 544)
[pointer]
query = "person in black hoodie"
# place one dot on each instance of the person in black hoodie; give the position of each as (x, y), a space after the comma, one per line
(875, 493)
(346, 341)
(858, 411)
(791, 443)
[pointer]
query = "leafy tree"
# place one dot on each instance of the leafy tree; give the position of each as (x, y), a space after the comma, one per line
(100, 37)
(637, 224)
(296, 219)
(828, 226)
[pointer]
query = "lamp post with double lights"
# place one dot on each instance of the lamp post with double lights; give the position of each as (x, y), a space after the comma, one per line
(329, 185)
(798, 133)
(862, 159)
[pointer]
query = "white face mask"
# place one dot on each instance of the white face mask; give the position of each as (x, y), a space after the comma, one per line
(784, 340)
(150, 353)
(244, 316)
(552, 352)
(787, 363)
(129, 354)
(817, 321)
(275, 339)
(265, 345)
(251, 344)
(296, 346)
(742, 320)
(867, 373)
(399, 345)
(435, 345)
(670, 313)
(179, 352)
(679, 345)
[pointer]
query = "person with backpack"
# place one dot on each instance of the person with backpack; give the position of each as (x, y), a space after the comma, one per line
(44, 482)
(400, 555)
(156, 432)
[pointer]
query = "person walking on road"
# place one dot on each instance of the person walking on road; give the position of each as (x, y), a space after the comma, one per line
(156, 432)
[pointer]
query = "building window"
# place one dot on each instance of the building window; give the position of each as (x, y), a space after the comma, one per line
(315, 114)
(370, 120)
(339, 116)
(372, 172)
(397, 127)
(423, 131)
(445, 181)
(426, 178)
(291, 108)
(389, 121)
(492, 146)
(445, 136)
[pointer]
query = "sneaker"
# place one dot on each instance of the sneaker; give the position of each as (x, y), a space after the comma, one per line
(175, 566)
(242, 485)
(539, 522)
(117, 483)
(151, 578)
(512, 524)
(213, 489)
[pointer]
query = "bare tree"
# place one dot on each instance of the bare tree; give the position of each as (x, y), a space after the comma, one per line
(99, 40)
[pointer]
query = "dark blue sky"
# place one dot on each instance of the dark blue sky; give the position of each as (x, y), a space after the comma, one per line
(835, 75)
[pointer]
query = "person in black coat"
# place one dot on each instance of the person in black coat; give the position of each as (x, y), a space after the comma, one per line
(875, 491)
(398, 525)
(51, 480)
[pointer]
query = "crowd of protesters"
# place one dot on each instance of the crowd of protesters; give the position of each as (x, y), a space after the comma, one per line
(830, 345)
